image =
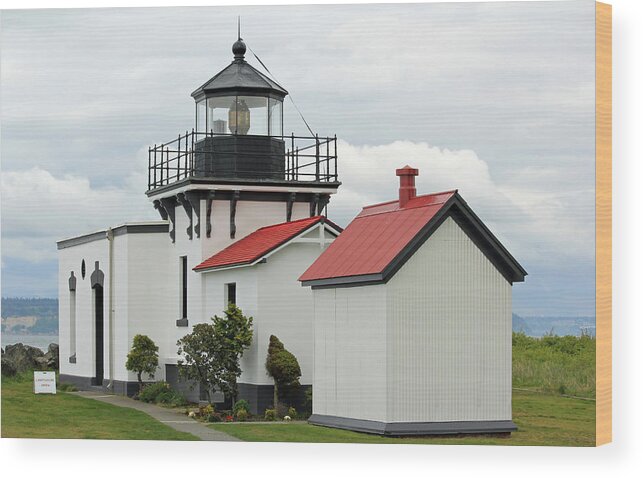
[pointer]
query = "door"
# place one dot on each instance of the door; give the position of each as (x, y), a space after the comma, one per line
(98, 327)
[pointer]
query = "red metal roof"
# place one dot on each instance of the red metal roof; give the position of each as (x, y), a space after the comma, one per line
(375, 237)
(257, 244)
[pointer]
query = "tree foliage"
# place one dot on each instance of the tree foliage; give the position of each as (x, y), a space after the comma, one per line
(211, 354)
(282, 366)
(143, 358)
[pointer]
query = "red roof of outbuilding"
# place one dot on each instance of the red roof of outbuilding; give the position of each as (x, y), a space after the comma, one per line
(259, 243)
(376, 237)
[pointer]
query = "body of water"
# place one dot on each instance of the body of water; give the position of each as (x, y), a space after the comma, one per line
(39, 341)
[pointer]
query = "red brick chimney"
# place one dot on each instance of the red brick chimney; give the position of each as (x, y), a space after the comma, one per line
(407, 184)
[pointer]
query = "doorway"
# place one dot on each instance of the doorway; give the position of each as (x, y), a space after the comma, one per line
(98, 328)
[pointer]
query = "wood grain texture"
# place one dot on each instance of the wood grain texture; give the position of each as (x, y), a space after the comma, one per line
(603, 223)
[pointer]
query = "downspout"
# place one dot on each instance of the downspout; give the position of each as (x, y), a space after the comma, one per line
(110, 239)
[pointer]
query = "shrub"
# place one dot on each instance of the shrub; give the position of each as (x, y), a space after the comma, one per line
(283, 367)
(66, 387)
(270, 415)
(241, 405)
(214, 417)
(282, 410)
(242, 414)
(143, 358)
(161, 392)
(171, 397)
(308, 401)
(292, 413)
(206, 411)
(152, 390)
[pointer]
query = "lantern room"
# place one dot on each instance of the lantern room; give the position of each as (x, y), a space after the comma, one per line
(240, 100)
(240, 115)
(238, 135)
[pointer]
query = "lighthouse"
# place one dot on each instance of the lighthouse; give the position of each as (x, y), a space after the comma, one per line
(242, 213)
(237, 158)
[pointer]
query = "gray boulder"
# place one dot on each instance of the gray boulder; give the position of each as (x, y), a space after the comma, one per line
(51, 357)
(8, 370)
(24, 357)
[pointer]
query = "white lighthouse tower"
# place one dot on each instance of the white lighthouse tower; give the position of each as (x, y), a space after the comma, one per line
(234, 178)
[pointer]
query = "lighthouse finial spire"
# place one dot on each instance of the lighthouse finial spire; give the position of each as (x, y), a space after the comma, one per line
(239, 48)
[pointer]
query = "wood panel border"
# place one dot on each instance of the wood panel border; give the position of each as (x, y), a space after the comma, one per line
(603, 223)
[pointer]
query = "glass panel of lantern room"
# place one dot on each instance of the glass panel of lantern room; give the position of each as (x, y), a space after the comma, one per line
(275, 115)
(218, 112)
(251, 115)
(200, 116)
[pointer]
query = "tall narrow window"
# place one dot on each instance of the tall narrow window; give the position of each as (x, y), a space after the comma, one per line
(231, 293)
(184, 287)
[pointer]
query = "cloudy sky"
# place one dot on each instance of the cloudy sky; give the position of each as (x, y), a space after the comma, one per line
(495, 99)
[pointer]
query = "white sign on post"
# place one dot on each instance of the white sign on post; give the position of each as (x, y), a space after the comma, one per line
(44, 382)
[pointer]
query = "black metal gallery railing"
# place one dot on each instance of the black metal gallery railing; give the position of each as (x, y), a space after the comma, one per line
(251, 157)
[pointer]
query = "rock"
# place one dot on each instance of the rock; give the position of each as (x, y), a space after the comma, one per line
(51, 357)
(23, 357)
(8, 370)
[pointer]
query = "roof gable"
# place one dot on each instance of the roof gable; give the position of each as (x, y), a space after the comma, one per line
(258, 244)
(377, 243)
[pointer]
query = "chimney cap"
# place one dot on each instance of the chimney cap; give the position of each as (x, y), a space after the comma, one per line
(407, 171)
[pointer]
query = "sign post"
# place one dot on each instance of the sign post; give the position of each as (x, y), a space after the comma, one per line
(44, 382)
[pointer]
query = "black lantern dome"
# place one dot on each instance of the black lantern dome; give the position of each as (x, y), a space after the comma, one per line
(240, 100)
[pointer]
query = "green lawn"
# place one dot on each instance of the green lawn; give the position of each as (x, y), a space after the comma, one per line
(541, 419)
(25, 415)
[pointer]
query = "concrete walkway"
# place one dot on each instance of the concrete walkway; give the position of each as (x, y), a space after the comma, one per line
(169, 416)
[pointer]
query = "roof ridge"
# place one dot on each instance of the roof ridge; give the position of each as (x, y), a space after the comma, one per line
(289, 222)
(416, 197)
(402, 209)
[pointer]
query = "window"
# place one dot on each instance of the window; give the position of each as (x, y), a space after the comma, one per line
(184, 287)
(231, 293)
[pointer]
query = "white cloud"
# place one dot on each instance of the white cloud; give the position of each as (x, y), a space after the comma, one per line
(38, 209)
(533, 221)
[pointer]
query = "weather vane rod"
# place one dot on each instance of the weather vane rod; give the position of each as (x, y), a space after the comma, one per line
(239, 27)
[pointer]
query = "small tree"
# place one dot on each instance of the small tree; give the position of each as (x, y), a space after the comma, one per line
(282, 366)
(143, 358)
(211, 354)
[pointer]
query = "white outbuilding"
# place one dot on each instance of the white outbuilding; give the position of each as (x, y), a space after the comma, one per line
(412, 321)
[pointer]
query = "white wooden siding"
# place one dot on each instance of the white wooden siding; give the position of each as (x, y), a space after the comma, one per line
(350, 352)
(449, 334)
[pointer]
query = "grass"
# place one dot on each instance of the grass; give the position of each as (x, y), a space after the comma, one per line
(542, 420)
(546, 368)
(555, 364)
(26, 415)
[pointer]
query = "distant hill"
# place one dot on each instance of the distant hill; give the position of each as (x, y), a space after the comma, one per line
(539, 326)
(40, 316)
(29, 316)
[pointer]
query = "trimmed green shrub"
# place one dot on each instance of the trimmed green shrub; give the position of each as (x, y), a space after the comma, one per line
(241, 405)
(242, 415)
(283, 367)
(292, 413)
(270, 415)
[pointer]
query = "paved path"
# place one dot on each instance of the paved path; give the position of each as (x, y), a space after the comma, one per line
(169, 416)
